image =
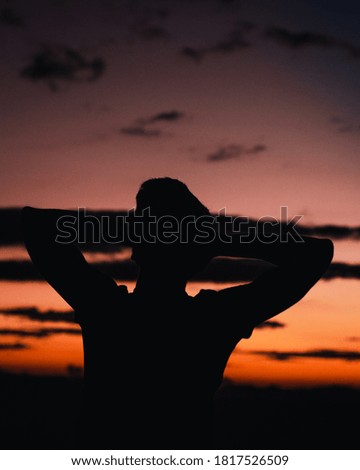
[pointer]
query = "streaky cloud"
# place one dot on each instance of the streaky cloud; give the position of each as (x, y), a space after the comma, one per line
(270, 324)
(234, 151)
(11, 235)
(195, 54)
(40, 333)
(141, 127)
(139, 131)
(235, 41)
(13, 346)
(298, 40)
(219, 270)
(166, 116)
(328, 354)
(342, 270)
(33, 313)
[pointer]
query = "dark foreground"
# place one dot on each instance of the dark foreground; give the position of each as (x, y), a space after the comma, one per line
(41, 413)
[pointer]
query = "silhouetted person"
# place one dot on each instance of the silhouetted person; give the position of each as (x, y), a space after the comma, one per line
(154, 358)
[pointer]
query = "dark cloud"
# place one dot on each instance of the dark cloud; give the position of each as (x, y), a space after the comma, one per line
(11, 234)
(335, 232)
(8, 17)
(238, 39)
(32, 313)
(109, 222)
(234, 151)
(62, 63)
(271, 324)
(220, 270)
(193, 53)
(139, 131)
(13, 346)
(354, 339)
(40, 333)
(235, 41)
(142, 126)
(312, 354)
(343, 270)
(166, 116)
(295, 40)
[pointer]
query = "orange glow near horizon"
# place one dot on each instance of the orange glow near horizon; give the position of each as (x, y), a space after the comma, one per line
(312, 324)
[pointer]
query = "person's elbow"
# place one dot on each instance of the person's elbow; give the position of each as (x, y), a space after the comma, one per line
(28, 222)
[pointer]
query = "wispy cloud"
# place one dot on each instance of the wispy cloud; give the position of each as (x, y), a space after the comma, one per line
(343, 270)
(32, 313)
(238, 40)
(10, 234)
(54, 64)
(142, 127)
(139, 131)
(235, 41)
(40, 333)
(13, 346)
(220, 270)
(336, 232)
(234, 151)
(298, 40)
(169, 116)
(271, 324)
(329, 354)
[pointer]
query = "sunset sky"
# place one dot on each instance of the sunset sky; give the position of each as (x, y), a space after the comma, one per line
(254, 105)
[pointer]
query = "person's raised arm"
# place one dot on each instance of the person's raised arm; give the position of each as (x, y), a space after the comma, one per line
(59, 260)
(298, 265)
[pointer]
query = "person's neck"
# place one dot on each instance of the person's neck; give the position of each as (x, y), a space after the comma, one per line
(150, 283)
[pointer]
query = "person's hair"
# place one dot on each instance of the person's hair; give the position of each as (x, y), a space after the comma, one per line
(168, 196)
(162, 197)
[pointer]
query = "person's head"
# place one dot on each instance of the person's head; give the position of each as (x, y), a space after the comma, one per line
(171, 204)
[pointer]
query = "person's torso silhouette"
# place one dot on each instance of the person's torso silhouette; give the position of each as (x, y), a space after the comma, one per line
(153, 365)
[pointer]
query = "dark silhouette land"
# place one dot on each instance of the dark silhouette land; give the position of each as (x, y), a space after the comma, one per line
(40, 412)
(154, 358)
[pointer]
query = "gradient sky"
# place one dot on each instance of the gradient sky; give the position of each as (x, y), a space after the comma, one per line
(254, 105)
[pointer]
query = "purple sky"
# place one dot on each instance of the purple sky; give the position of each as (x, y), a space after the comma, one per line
(253, 106)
